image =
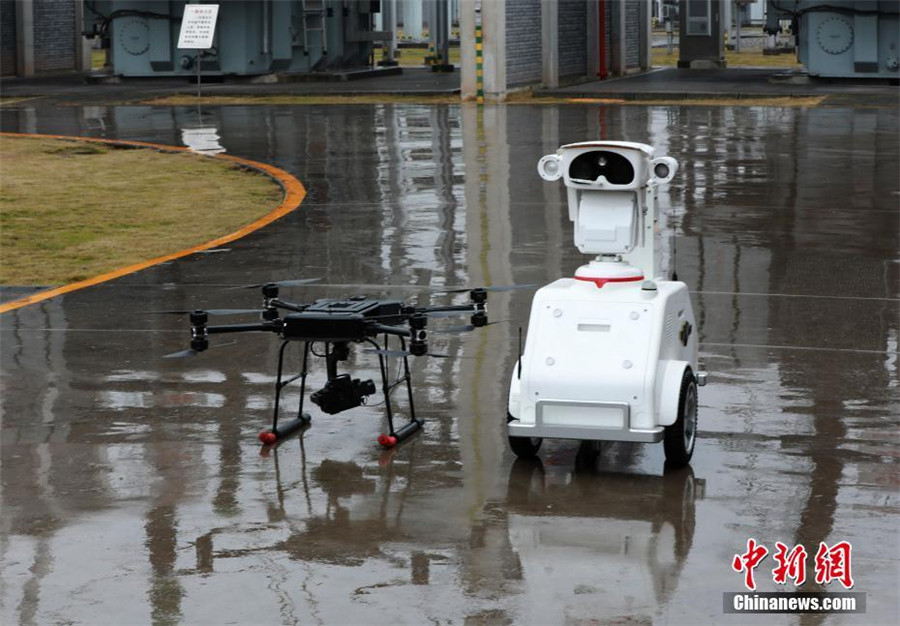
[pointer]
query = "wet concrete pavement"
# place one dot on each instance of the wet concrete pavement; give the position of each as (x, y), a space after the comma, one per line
(669, 83)
(74, 88)
(134, 489)
(662, 83)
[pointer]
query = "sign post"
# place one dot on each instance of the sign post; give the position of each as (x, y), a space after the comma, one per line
(198, 28)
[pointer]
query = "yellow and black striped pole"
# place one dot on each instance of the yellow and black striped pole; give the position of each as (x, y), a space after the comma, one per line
(479, 55)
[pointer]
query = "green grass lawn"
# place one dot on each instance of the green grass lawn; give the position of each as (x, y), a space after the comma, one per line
(73, 210)
(98, 59)
(415, 57)
(746, 58)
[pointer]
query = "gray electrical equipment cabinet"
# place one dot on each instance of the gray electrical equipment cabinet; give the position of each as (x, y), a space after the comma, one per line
(700, 41)
(253, 37)
(843, 38)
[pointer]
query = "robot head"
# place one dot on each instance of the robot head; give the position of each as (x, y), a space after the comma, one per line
(607, 183)
(607, 166)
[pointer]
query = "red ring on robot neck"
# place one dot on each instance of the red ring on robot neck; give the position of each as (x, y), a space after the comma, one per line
(602, 281)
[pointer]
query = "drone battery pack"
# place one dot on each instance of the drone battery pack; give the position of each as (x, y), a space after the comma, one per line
(335, 320)
(329, 327)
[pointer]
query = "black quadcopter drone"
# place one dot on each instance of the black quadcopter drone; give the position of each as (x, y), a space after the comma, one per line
(336, 323)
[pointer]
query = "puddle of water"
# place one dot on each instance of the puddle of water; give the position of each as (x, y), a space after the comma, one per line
(787, 235)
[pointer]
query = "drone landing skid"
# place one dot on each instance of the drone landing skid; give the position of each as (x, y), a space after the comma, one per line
(402, 433)
(284, 429)
(389, 440)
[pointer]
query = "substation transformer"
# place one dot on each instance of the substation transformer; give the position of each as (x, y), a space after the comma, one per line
(252, 37)
(843, 38)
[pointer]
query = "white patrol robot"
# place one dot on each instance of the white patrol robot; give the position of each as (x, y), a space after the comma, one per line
(611, 354)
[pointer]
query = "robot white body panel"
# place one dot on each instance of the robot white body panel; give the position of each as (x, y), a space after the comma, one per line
(603, 363)
(611, 353)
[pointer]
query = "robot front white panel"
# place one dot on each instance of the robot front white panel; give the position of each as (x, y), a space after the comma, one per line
(580, 352)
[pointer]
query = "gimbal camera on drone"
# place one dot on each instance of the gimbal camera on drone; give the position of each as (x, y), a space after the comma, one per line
(611, 354)
(334, 325)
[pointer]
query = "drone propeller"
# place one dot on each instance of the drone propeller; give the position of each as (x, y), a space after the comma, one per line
(191, 352)
(465, 328)
(298, 282)
(425, 313)
(181, 354)
(492, 288)
(404, 353)
(388, 352)
(447, 313)
(212, 312)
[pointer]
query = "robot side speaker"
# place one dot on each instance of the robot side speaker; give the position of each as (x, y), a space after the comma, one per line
(611, 354)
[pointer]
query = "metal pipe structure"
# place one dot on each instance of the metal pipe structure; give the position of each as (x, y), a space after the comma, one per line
(602, 39)
(389, 24)
(442, 11)
(266, 27)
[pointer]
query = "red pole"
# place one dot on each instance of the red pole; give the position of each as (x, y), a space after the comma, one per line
(602, 39)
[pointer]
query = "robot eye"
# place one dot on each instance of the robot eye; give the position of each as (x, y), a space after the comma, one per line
(548, 167)
(551, 168)
(661, 170)
(589, 166)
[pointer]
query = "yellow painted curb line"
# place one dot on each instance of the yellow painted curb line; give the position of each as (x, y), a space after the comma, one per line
(294, 192)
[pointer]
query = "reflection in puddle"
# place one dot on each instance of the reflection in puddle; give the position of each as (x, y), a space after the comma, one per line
(204, 376)
(192, 376)
(615, 544)
(796, 445)
(202, 140)
(132, 376)
(120, 400)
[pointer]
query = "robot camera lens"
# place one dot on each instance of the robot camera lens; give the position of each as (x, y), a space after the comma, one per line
(548, 167)
(661, 170)
(590, 166)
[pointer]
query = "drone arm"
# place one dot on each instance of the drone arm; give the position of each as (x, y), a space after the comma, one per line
(272, 327)
(289, 306)
(476, 308)
(390, 330)
(465, 308)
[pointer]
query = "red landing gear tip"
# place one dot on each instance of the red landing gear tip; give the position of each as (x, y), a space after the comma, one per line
(268, 437)
(387, 441)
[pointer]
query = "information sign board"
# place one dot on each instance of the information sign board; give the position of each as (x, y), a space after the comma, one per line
(198, 26)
